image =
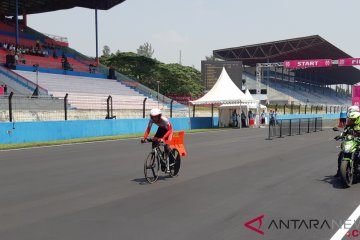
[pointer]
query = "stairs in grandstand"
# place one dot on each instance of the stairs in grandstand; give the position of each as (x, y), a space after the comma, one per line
(90, 93)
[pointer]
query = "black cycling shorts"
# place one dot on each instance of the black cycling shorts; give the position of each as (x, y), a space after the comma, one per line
(160, 132)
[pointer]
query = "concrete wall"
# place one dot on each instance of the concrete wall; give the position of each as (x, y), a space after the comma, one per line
(21, 132)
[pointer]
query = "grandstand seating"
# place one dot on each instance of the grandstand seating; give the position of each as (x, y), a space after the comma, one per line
(280, 91)
(90, 93)
(27, 40)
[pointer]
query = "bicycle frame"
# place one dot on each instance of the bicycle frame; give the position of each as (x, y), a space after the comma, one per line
(158, 154)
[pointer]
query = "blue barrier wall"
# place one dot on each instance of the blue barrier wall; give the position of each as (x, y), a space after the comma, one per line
(61, 71)
(21, 132)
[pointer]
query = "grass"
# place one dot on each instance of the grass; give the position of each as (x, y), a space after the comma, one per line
(83, 140)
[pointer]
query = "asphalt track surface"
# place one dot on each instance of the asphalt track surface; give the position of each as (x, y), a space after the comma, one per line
(97, 190)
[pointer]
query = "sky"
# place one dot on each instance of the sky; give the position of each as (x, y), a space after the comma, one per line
(197, 27)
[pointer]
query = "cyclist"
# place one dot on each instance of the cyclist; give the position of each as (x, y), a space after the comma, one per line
(164, 132)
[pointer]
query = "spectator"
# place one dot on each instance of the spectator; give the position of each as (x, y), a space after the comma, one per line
(91, 68)
(272, 117)
(235, 119)
(243, 119)
(250, 115)
(37, 45)
(5, 89)
(342, 120)
(262, 117)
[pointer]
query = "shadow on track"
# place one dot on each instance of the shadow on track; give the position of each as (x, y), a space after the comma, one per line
(334, 181)
(142, 181)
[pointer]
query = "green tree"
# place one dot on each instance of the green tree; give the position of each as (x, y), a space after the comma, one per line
(211, 57)
(106, 51)
(145, 50)
(173, 78)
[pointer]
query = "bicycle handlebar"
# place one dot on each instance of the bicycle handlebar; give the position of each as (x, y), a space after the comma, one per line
(155, 140)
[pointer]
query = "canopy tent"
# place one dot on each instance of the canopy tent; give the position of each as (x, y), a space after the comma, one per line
(226, 110)
(248, 94)
(224, 91)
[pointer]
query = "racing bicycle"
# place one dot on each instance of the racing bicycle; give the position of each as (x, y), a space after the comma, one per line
(156, 161)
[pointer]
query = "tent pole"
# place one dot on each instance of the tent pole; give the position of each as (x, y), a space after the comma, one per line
(240, 124)
(212, 115)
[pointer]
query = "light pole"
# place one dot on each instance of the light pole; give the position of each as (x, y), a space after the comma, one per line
(158, 85)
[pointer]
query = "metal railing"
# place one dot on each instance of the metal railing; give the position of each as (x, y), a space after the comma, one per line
(19, 108)
(289, 127)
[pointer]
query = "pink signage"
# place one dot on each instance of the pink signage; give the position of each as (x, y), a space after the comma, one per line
(348, 62)
(308, 63)
(356, 95)
(356, 101)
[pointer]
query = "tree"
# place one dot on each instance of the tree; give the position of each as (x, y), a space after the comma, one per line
(175, 79)
(211, 57)
(145, 50)
(106, 51)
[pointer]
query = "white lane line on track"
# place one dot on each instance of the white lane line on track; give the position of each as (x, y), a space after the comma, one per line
(90, 142)
(349, 223)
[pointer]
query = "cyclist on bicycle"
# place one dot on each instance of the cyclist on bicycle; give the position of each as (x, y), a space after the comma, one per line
(164, 132)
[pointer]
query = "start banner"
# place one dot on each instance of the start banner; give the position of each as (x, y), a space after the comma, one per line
(308, 63)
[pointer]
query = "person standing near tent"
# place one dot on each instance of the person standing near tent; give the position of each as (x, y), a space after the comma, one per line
(272, 119)
(342, 119)
(251, 118)
(235, 119)
(243, 119)
(262, 117)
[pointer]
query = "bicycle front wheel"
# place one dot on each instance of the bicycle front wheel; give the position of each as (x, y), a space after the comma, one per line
(151, 168)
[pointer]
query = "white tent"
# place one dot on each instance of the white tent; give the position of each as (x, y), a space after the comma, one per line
(248, 95)
(224, 91)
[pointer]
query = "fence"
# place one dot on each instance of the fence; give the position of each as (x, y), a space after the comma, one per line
(290, 127)
(307, 109)
(16, 108)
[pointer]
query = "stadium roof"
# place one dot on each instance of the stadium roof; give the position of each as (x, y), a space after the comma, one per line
(7, 7)
(311, 47)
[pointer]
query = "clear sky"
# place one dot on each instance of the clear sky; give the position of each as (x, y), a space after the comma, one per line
(196, 27)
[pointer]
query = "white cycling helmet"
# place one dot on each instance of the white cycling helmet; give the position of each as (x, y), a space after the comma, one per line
(352, 109)
(155, 112)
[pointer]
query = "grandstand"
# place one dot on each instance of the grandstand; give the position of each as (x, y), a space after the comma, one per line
(46, 66)
(308, 85)
(280, 91)
(89, 93)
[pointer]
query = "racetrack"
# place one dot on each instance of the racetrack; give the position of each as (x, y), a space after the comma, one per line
(97, 190)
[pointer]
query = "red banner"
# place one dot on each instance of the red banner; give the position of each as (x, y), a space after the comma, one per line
(356, 95)
(184, 99)
(348, 62)
(308, 63)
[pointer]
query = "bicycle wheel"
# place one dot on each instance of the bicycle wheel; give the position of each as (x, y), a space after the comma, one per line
(175, 162)
(151, 168)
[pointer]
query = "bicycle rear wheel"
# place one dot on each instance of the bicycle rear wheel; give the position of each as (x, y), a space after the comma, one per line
(175, 162)
(151, 168)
